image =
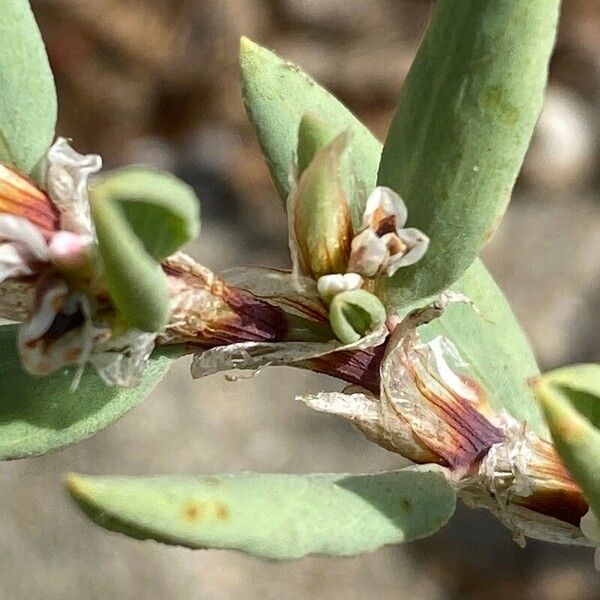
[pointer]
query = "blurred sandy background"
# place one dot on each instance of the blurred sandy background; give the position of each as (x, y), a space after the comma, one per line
(155, 81)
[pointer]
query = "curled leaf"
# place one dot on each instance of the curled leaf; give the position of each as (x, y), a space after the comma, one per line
(137, 284)
(355, 313)
(162, 210)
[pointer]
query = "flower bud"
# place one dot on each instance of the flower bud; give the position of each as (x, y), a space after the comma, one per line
(330, 285)
(319, 214)
(355, 313)
(313, 135)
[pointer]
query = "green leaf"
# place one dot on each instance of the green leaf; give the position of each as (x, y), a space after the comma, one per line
(272, 516)
(493, 344)
(137, 284)
(162, 210)
(577, 384)
(38, 415)
(27, 94)
(575, 437)
(463, 123)
(277, 94)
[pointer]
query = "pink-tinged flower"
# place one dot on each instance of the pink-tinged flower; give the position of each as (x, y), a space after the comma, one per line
(47, 231)
(49, 278)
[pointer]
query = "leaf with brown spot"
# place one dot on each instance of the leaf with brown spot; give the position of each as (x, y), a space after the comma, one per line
(273, 516)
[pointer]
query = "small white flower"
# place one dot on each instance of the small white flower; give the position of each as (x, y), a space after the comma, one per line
(66, 175)
(383, 245)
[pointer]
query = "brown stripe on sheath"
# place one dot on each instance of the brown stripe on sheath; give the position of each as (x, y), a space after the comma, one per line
(472, 433)
(358, 367)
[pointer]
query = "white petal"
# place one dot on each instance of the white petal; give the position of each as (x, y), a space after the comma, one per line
(12, 263)
(45, 313)
(418, 243)
(368, 253)
(384, 199)
(17, 229)
(330, 285)
(66, 177)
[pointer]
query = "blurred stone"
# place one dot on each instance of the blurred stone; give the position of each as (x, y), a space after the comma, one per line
(563, 152)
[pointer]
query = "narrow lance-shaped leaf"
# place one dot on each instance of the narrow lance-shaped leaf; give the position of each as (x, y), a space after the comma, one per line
(463, 123)
(162, 210)
(27, 94)
(492, 342)
(577, 440)
(38, 415)
(272, 516)
(277, 94)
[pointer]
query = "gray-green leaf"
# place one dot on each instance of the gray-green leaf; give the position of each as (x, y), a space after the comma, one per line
(272, 516)
(577, 384)
(27, 94)
(38, 415)
(277, 94)
(463, 123)
(137, 284)
(162, 210)
(576, 438)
